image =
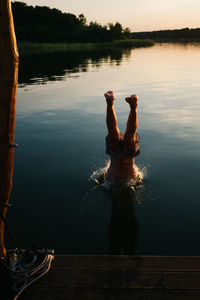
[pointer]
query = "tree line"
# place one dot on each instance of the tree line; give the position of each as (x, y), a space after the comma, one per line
(43, 24)
(170, 35)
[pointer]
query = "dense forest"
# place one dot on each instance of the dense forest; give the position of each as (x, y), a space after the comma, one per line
(42, 24)
(170, 35)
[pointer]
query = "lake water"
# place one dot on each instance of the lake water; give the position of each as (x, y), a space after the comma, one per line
(60, 129)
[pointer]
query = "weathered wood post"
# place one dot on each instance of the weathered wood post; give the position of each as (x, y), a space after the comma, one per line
(8, 88)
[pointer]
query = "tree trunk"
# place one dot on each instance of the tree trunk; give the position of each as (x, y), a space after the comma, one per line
(8, 88)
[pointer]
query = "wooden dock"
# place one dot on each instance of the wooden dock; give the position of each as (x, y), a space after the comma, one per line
(114, 277)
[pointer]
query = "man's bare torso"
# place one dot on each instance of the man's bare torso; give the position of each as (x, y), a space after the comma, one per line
(121, 169)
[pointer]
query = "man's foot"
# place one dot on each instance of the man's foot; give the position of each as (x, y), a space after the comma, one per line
(110, 98)
(132, 101)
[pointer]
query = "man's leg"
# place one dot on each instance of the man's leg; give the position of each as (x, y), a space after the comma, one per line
(132, 123)
(111, 119)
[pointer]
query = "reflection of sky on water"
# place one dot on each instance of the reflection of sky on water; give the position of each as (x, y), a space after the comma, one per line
(60, 127)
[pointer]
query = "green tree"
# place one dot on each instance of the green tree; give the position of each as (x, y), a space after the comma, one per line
(82, 19)
(127, 32)
(43, 24)
(116, 30)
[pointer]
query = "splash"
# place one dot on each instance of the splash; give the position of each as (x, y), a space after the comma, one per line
(99, 177)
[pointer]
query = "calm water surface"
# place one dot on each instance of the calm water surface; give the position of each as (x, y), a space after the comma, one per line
(60, 129)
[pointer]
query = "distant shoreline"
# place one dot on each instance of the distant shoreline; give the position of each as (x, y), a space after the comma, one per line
(178, 40)
(184, 35)
(183, 41)
(37, 48)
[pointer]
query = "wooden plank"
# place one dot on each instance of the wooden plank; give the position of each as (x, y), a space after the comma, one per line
(124, 262)
(115, 277)
(102, 294)
(121, 279)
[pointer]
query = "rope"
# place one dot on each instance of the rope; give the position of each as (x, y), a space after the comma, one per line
(24, 273)
(26, 269)
(25, 266)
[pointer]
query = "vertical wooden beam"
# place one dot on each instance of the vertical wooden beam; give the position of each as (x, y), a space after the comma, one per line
(8, 87)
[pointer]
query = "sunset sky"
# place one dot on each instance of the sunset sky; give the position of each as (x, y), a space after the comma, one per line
(138, 15)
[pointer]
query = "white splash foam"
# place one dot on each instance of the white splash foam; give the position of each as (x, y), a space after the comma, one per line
(99, 177)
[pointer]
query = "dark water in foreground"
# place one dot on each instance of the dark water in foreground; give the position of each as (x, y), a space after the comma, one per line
(60, 129)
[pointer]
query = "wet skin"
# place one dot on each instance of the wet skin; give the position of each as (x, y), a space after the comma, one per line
(121, 166)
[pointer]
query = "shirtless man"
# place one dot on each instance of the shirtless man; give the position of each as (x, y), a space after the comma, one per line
(121, 148)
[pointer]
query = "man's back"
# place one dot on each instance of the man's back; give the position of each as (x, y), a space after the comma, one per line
(122, 162)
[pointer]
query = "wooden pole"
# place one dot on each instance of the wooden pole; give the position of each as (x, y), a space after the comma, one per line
(9, 59)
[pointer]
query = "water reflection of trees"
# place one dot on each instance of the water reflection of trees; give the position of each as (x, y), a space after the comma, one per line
(39, 69)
